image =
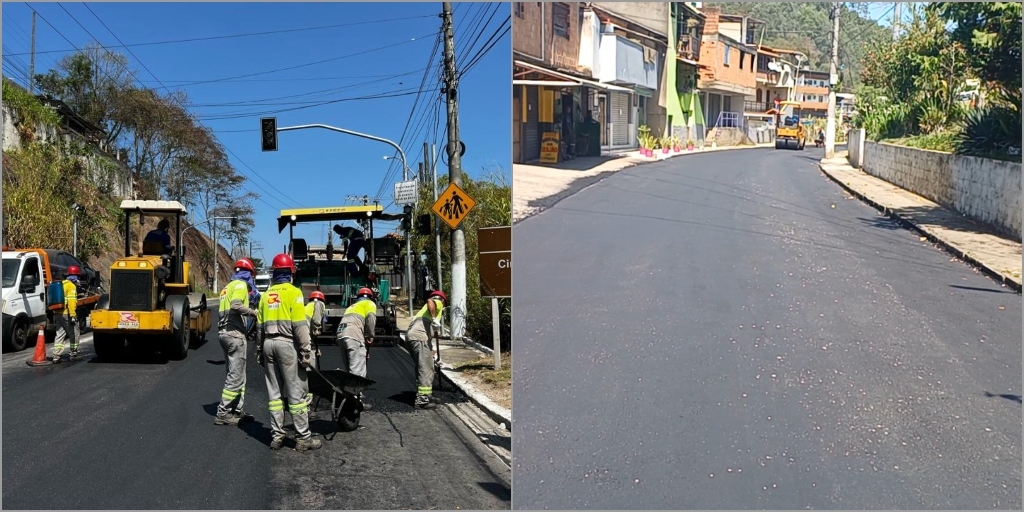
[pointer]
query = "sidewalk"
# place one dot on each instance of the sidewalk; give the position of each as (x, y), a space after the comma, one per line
(495, 403)
(540, 186)
(969, 240)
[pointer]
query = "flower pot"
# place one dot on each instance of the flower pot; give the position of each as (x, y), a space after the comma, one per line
(689, 148)
(677, 149)
(664, 151)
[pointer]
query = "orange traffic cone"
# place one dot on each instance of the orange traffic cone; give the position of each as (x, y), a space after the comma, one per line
(39, 358)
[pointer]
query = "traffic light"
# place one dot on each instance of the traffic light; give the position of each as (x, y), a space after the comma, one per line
(268, 133)
(407, 218)
(423, 224)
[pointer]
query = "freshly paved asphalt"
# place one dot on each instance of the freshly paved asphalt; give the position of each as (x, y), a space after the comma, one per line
(140, 435)
(709, 332)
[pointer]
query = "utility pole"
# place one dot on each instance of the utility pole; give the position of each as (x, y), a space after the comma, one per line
(830, 123)
(32, 58)
(897, 17)
(451, 89)
(437, 222)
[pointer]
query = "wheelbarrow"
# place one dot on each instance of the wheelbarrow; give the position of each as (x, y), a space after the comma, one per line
(342, 389)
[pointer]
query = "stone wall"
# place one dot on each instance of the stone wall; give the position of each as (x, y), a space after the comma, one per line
(985, 190)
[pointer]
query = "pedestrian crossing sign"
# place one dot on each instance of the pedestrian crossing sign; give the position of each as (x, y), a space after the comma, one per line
(453, 205)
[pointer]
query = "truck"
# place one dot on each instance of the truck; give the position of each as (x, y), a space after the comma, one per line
(26, 275)
(151, 301)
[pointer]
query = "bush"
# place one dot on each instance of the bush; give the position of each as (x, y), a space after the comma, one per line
(992, 132)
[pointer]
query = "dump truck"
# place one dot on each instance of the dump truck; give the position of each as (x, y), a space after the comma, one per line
(28, 304)
(789, 132)
(326, 268)
(151, 300)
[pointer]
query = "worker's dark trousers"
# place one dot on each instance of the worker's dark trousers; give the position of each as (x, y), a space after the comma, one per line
(65, 331)
(417, 343)
(286, 383)
(232, 397)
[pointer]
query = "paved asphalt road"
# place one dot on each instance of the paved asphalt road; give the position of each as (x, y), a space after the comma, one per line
(709, 332)
(140, 435)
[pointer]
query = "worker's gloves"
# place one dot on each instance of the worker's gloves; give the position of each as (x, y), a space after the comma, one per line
(74, 320)
(435, 324)
(307, 359)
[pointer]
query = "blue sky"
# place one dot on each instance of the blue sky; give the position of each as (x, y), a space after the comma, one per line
(312, 167)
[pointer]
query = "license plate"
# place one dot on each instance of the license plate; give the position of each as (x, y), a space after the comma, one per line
(127, 325)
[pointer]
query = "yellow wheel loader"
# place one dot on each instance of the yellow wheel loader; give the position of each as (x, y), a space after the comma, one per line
(151, 301)
(789, 132)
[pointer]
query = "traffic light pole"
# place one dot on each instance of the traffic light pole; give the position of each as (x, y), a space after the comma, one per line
(405, 177)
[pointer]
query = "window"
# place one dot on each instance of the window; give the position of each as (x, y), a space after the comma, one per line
(560, 19)
(742, 55)
(726, 58)
(519, 9)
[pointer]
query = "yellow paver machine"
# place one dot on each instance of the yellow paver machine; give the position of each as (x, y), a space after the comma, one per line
(789, 132)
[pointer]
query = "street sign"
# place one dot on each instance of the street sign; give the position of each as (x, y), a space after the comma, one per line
(406, 192)
(453, 205)
(495, 258)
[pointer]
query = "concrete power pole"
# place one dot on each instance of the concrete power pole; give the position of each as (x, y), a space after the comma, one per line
(451, 88)
(830, 123)
(32, 58)
(897, 17)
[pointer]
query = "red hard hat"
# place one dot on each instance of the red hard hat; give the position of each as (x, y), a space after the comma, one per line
(244, 264)
(283, 262)
(316, 294)
(364, 292)
(441, 294)
(73, 270)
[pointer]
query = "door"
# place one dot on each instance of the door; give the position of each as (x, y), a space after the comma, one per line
(620, 119)
(33, 299)
(602, 116)
(531, 128)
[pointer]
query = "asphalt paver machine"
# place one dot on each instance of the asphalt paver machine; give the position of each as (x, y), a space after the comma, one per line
(337, 272)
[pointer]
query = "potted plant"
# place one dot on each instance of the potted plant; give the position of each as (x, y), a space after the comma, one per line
(677, 145)
(666, 145)
(689, 145)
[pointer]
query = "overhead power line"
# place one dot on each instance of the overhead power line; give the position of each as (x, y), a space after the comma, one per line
(249, 34)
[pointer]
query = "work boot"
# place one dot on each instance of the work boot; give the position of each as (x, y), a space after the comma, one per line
(74, 355)
(243, 416)
(424, 402)
(230, 419)
(434, 399)
(276, 443)
(309, 443)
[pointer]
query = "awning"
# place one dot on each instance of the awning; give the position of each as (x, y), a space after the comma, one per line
(546, 83)
(647, 93)
(578, 81)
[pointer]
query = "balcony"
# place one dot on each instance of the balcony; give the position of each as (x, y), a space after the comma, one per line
(626, 63)
(688, 47)
(757, 107)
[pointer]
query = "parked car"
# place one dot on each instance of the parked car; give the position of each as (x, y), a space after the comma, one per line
(61, 260)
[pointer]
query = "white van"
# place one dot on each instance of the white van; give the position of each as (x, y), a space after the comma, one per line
(262, 282)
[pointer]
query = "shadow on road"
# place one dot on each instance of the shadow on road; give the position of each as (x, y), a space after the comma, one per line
(1012, 398)
(499, 491)
(135, 355)
(218, 363)
(976, 289)
(881, 222)
(253, 429)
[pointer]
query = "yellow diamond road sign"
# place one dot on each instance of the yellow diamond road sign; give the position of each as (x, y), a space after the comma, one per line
(453, 205)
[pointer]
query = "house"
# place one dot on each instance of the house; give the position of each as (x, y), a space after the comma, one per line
(684, 105)
(624, 44)
(812, 92)
(727, 73)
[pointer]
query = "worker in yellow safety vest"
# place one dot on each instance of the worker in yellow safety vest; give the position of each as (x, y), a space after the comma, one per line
(67, 320)
(234, 308)
(355, 332)
(425, 326)
(286, 351)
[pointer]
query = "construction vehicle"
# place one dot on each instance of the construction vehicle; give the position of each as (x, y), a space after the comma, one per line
(789, 132)
(27, 276)
(151, 300)
(327, 270)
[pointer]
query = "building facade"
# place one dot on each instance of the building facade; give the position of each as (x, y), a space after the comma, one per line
(812, 92)
(685, 112)
(727, 73)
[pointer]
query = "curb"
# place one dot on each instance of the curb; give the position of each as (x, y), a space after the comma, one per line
(494, 411)
(910, 224)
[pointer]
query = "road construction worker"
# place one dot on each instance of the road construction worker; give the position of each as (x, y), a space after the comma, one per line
(286, 351)
(67, 320)
(356, 242)
(160, 234)
(235, 306)
(356, 330)
(315, 315)
(425, 326)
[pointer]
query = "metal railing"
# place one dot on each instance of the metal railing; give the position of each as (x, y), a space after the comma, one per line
(759, 107)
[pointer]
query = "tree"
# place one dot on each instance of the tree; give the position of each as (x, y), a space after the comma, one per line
(991, 31)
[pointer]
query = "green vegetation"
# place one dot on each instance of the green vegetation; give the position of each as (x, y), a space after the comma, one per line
(29, 108)
(493, 194)
(912, 87)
